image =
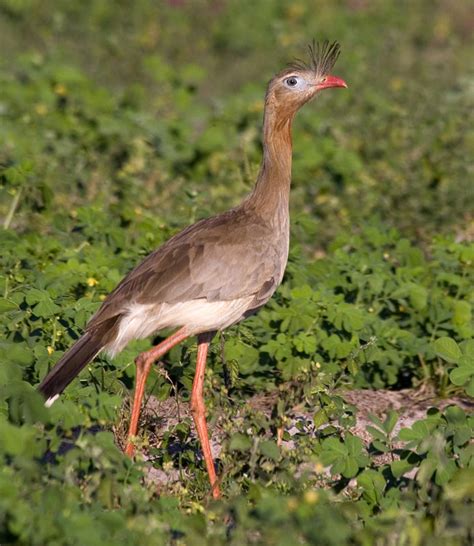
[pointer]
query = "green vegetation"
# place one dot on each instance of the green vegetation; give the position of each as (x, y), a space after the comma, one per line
(121, 123)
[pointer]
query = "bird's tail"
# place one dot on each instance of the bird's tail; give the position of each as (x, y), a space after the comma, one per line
(72, 362)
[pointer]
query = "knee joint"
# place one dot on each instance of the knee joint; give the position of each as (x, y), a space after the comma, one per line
(197, 405)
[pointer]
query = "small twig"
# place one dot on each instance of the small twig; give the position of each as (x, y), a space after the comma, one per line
(361, 348)
(424, 367)
(166, 375)
(13, 207)
(225, 367)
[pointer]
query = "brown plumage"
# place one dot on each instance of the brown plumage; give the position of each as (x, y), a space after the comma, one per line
(215, 272)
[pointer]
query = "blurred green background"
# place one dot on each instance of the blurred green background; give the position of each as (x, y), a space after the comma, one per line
(122, 122)
(163, 101)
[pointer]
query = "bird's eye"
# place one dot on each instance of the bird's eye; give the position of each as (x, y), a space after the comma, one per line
(292, 81)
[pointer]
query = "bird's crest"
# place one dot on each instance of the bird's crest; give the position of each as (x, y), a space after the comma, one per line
(322, 57)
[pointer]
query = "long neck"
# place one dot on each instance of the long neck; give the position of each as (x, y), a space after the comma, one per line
(271, 192)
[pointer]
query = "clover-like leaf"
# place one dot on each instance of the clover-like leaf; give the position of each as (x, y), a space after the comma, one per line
(447, 349)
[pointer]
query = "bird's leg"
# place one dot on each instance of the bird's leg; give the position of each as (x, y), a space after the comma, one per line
(144, 361)
(198, 410)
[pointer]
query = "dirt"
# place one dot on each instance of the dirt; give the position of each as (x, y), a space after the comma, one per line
(412, 405)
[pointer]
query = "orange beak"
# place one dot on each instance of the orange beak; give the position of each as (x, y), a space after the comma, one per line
(331, 81)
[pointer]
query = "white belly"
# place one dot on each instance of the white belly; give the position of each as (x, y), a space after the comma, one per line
(200, 315)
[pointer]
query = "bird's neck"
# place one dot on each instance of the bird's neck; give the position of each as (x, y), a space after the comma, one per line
(271, 193)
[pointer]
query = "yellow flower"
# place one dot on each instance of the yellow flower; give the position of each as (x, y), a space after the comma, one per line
(256, 106)
(296, 10)
(168, 466)
(60, 89)
(318, 468)
(442, 28)
(396, 84)
(92, 282)
(50, 350)
(41, 109)
(311, 496)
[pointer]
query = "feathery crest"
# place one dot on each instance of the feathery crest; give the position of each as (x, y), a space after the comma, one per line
(322, 57)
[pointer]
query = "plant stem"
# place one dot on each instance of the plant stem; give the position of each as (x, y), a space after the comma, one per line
(13, 207)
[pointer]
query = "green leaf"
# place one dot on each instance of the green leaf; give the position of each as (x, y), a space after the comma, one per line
(376, 433)
(462, 312)
(7, 305)
(373, 484)
(353, 319)
(468, 348)
(461, 487)
(380, 446)
(426, 470)
(417, 432)
(335, 445)
(320, 418)
(17, 440)
(459, 376)
(43, 305)
(354, 444)
(447, 349)
(239, 442)
(19, 353)
(305, 343)
(418, 296)
(399, 468)
(462, 435)
(351, 468)
(34, 295)
(270, 450)
(444, 472)
(455, 416)
(390, 421)
(470, 387)
(46, 308)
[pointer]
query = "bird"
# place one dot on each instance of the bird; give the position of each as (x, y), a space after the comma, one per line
(214, 273)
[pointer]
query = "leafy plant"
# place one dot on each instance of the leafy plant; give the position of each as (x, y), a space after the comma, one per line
(115, 134)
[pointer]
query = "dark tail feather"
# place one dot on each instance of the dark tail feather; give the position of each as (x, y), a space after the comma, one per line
(76, 358)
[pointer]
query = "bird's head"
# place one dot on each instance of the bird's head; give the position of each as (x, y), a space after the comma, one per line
(300, 81)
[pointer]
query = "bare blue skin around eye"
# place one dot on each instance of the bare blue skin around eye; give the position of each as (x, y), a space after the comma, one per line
(300, 82)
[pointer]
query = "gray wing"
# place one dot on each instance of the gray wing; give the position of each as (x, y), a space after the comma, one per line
(226, 257)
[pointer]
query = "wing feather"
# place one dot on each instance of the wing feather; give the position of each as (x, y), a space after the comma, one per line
(226, 257)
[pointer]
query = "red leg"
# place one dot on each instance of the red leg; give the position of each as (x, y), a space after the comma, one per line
(144, 362)
(198, 409)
